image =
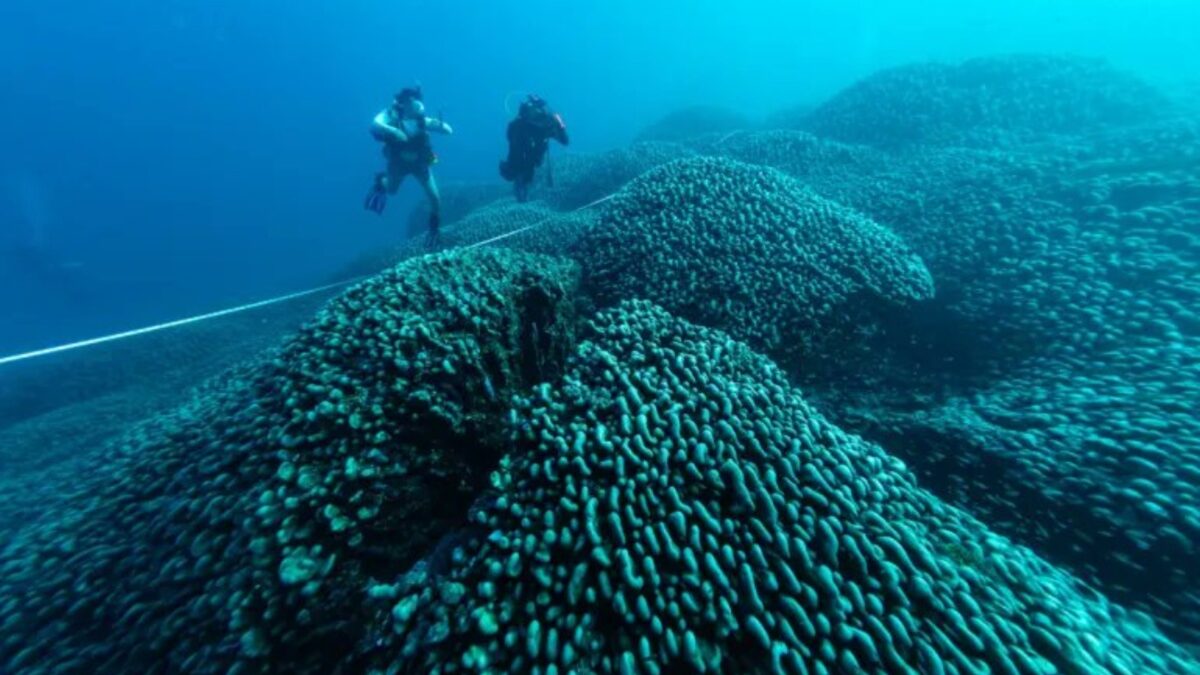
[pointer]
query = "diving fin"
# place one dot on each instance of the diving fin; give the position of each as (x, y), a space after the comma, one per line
(432, 237)
(376, 198)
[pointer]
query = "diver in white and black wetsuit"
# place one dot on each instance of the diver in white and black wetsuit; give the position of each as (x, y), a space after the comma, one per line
(404, 131)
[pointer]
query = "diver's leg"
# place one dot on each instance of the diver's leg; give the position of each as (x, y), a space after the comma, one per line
(429, 184)
(396, 171)
(526, 181)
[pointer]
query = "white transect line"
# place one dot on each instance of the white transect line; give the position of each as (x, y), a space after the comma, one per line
(539, 223)
(728, 136)
(172, 324)
(254, 305)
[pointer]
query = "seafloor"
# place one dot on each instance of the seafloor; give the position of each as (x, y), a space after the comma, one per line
(903, 383)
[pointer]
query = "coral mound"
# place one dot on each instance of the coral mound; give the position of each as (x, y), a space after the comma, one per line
(800, 154)
(672, 505)
(458, 199)
(247, 525)
(581, 178)
(985, 101)
(694, 121)
(538, 228)
(448, 471)
(1082, 441)
(750, 250)
(532, 227)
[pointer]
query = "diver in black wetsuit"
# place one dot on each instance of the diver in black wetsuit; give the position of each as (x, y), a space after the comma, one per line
(528, 141)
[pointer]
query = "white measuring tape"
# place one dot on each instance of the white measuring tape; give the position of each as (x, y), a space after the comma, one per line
(261, 303)
(172, 324)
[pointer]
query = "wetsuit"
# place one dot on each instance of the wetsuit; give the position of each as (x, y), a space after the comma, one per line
(409, 152)
(414, 154)
(528, 140)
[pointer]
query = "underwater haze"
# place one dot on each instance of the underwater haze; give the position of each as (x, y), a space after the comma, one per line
(166, 158)
(812, 338)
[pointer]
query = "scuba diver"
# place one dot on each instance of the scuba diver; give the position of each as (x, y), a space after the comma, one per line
(529, 137)
(404, 131)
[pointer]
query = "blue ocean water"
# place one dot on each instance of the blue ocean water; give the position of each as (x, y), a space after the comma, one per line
(164, 158)
(841, 337)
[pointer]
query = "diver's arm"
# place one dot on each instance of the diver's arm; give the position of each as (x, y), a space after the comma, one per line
(560, 130)
(438, 126)
(382, 130)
